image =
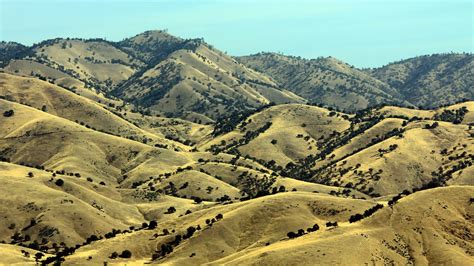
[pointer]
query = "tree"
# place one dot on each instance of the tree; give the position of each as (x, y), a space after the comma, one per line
(59, 182)
(152, 225)
(171, 210)
(197, 200)
(274, 141)
(300, 232)
(255, 187)
(8, 113)
(30, 174)
(126, 254)
(38, 256)
(189, 232)
(328, 224)
(313, 229)
(356, 217)
(292, 235)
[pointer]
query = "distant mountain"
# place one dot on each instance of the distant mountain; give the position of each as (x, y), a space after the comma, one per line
(431, 80)
(193, 77)
(156, 72)
(428, 81)
(325, 81)
(161, 74)
(11, 50)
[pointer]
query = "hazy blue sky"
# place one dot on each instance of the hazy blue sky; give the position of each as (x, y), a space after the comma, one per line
(364, 33)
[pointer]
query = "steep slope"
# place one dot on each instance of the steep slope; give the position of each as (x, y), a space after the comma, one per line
(162, 150)
(32, 68)
(36, 138)
(404, 161)
(244, 226)
(282, 133)
(60, 102)
(429, 227)
(11, 50)
(97, 63)
(431, 80)
(326, 81)
(61, 213)
(377, 151)
(199, 79)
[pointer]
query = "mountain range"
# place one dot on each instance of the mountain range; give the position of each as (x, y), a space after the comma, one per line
(161, 74)
(162, 150)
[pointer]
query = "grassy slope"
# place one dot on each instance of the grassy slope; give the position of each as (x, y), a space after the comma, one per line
(31, 68)
(288, 121)
(28, 137)
(60, 102)
(242, 227)
(431, 80)
(429, 227)
(100, 67)
(323, 80)
(204, 81)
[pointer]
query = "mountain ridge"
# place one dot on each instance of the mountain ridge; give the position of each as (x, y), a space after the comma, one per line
(281, 79)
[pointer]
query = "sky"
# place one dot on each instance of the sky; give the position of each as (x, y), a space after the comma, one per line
(364, 33)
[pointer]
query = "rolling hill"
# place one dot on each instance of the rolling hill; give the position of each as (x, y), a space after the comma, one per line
(162, 150)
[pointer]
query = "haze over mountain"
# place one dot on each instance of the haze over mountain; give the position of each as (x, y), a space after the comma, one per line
(158, 149)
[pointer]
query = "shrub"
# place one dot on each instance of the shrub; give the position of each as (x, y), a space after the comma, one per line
(30, 174)
(59, 182)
